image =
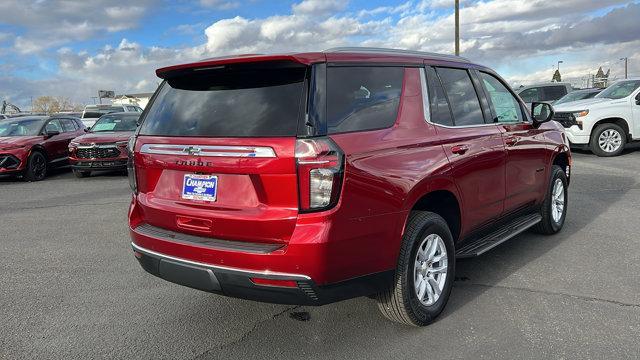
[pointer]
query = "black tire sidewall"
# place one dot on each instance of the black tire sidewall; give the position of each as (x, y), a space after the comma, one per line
(29, 175)
(426, 314)
(595, 146)
(557, 173)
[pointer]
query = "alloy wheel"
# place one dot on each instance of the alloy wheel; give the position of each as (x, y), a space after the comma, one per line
(557, 201)
(430, 269)
(38, 167)
(610, 140)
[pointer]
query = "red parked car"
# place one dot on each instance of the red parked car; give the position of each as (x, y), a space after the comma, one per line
(31, 145)
(316, 177)
(105, 146)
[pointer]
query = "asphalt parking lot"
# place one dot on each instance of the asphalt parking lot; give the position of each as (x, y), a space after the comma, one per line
(71, 288)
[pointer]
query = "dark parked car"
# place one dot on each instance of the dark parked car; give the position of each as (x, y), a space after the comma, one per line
(31, 145)
(311, 178)
(105, 146)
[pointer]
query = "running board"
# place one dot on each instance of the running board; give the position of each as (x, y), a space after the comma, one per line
(504, 233)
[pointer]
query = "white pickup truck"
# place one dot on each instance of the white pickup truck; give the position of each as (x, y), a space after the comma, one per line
(605, 123)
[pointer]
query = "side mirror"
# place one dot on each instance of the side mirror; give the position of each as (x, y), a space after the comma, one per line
(638, 99)
(51, 133)
(542, 113)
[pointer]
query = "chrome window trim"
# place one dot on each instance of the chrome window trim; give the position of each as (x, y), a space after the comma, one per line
(426, 105)
(209, 150)
(266, 274)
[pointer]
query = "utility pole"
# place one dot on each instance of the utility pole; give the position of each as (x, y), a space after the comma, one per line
(626, 67)
(457, 27)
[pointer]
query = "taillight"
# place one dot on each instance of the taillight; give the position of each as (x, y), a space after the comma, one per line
(320, 167)
(131, 168)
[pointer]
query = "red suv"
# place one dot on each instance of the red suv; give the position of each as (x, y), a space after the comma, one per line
(32, 145)
(311, 178)
(105, 146)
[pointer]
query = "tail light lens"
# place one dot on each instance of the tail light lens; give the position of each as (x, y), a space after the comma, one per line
(131, 168)
(320, 170)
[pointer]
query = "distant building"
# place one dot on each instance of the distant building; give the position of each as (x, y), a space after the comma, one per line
(140, 99)
(601, 80)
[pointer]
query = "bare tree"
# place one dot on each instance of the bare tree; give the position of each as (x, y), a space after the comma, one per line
(50, 105)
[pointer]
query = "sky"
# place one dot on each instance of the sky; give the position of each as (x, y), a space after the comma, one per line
(73, 48)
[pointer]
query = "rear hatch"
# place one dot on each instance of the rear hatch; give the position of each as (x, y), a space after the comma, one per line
(215, 153)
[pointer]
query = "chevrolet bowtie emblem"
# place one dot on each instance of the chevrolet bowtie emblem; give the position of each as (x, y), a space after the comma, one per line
(191, 150)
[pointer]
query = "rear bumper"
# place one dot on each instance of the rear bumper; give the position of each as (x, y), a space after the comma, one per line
(238, 283)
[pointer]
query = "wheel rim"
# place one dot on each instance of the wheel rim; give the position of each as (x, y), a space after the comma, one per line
(430, 269)
(610, 140)
(557, 201)
(38, 166)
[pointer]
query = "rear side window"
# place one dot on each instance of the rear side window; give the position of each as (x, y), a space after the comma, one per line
(530, 95)
(68, 125)
(462, 96)
(362, 98)
(233, 101)
(554, 92)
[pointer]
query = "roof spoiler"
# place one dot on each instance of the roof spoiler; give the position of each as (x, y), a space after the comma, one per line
(221, 62)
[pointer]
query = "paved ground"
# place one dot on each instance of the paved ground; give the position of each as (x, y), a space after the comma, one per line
(70, 288)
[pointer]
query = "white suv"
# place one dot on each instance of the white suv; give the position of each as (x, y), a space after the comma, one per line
(606, 123)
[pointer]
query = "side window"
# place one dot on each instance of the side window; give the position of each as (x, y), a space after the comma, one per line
(552, 93)
(462, 96)
(362, 98)
(530, 95)
(505, 106)
(68, 125)
(440, 112)
(54, 125)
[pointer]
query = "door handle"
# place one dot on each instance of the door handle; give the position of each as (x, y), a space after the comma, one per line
(511, 140)
(460, 149)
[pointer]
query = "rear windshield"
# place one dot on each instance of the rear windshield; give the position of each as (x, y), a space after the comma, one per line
(229, 102)
(90, 113)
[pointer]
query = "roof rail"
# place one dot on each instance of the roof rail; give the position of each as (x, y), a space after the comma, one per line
(357, 49)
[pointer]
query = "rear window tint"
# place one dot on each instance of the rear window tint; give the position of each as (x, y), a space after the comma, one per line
(362, 98)
(554, 92)
(234, 102)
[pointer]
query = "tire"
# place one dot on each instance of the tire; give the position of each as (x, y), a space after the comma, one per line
(36, 167)
(608, 140)
(552, 223)
(81, 174)
(400, 303)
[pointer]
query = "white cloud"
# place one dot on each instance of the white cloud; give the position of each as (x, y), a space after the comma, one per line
(319, 7)
(48, 24)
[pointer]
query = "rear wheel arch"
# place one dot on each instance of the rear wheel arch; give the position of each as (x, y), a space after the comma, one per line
(444, 203)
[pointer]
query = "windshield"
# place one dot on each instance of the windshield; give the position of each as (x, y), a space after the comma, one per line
(236, 101)
(97, 112)
(22, 127)
(116, 123)
(576, 95)
(619, 90)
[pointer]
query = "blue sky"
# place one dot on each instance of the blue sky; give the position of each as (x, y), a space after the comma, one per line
(73, 48)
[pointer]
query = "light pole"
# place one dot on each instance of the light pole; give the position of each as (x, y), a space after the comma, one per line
(560, 62)
(626, 67)
(457, 16)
